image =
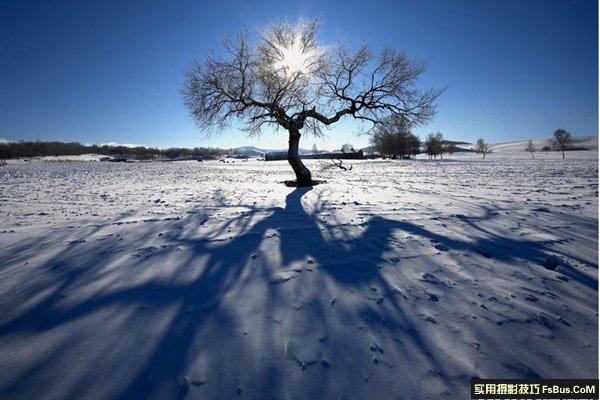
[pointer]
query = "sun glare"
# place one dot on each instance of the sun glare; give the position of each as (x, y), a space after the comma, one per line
(294, 59)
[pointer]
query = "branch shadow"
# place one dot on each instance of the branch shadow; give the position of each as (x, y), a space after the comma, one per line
(209, 311)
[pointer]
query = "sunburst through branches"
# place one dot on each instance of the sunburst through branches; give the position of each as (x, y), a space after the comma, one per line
(295, 59)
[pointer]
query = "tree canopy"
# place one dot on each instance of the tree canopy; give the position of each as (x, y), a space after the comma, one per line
(562, 140)
(394, 138)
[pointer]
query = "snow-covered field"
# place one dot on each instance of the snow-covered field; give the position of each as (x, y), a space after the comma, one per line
(395, 280)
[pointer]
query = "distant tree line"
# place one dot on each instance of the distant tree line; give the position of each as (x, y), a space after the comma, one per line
(394, 139)
(435, 146)
(41, 149)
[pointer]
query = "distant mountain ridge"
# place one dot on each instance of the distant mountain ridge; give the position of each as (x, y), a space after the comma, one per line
(253, 151)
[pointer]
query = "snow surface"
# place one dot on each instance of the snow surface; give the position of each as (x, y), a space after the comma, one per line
(516, 146)
(395, 280)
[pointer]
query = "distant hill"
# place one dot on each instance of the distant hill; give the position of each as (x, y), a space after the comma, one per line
(249, 151)
(579, 143)
(252, 151)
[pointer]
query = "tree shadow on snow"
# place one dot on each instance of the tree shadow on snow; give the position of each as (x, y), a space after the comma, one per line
(173, 319)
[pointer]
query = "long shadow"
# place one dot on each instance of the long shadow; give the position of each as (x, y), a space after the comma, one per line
(200, 307)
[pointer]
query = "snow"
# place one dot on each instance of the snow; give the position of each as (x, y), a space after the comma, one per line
(397, 279)
(516, 146)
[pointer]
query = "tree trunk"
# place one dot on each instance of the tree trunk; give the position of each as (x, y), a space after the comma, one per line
(303, 176)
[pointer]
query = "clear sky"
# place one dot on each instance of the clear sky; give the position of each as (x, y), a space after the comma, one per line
(110, 71)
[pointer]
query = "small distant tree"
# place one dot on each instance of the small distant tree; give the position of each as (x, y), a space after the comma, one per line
(562, 140)
(315, 149)
(482, 147)
(433, 145)
(530, 147)
(546, 149)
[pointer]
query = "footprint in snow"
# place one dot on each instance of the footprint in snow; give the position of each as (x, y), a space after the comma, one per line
(433, 297)
(439, 246)
(376, 348)
(431, 279)
(551, 263)
(531, 298)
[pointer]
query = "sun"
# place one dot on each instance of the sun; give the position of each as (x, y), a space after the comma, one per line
(293, 60)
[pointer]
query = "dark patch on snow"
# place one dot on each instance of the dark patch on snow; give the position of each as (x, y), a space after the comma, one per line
(432, 279)
(541, 209)
(376, 348)
(295, 183)
(433, 297)
(551, 263)
(441, 247)
(484, 251)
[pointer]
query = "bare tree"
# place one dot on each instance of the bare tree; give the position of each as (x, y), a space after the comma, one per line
(450, 148)
(414, 145)
(384, 141)
(393, 138)
(434, 145)
(562, 140)
(482, 147)
(283, 78)
(530, 147)
(340, 163)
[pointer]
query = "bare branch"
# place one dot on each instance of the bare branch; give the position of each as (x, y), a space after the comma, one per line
(253, 82)
(334, 163)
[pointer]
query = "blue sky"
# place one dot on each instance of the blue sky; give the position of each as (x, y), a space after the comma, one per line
(110, 71)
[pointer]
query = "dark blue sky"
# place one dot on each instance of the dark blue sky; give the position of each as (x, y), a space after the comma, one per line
(110, 71)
